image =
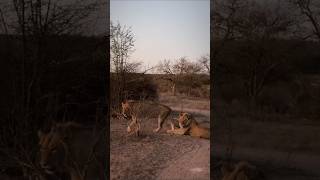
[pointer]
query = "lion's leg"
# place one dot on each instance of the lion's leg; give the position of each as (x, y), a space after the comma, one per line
(123, 113)
(161, 119)
(180, 131)
(180, 125)
(174, 124)
(160, 122)
(171, 124)
(138, 129)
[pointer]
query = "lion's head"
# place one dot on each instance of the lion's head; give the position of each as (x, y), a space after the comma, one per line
(125, 109)
(184, 119)
(53, 147)
(73, 150)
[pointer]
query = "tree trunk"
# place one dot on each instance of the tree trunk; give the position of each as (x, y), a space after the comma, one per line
(173, 88)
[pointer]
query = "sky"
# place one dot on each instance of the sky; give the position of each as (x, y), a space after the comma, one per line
(165, 29)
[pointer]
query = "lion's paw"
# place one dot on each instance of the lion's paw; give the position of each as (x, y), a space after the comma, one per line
(156, 130)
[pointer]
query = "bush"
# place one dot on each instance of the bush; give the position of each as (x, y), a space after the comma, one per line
(136, 87)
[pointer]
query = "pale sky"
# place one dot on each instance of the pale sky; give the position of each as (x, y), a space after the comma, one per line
(165, 29)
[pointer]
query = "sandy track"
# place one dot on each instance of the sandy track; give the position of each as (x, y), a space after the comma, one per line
(156, 156)
(193, 165)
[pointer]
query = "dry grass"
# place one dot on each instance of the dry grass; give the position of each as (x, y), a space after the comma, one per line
(185, 102)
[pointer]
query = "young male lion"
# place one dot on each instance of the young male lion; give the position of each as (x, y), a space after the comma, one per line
(137, 110)
(189, 126)
(69, 148)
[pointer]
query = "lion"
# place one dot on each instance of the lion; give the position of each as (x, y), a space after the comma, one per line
(241, 171)
(189, 126)
(72, 149)
(137, 110)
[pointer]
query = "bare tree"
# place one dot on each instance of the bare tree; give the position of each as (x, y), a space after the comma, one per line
(260, 27)
(36, 21)
(33, 23)
(310, 9)
(3, 25)
(225, 14)
(127, 74)
(254, 29)
(52, 17)
(204, 62)
(122, 45)
(180, 71)
(165, 66)
(224, 18)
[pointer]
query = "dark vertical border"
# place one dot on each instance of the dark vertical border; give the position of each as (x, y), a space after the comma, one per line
(107, 84)
(212, 77)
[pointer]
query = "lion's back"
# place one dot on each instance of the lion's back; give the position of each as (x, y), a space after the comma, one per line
(147, 109)
(198, 131)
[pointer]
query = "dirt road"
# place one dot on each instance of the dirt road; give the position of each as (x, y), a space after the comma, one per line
(157, 155)
(193, 165)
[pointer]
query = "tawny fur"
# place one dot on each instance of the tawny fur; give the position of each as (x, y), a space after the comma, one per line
(144, 110)
(189, 126)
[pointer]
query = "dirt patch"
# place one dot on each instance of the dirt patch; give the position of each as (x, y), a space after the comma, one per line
(191, 165)
(156, 155)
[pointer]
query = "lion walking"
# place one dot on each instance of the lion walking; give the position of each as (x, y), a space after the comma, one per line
(137, 110)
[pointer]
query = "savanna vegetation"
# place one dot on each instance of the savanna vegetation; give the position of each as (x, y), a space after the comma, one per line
(181, 84)
(266, 76)
(176, 77)
(51, 71)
